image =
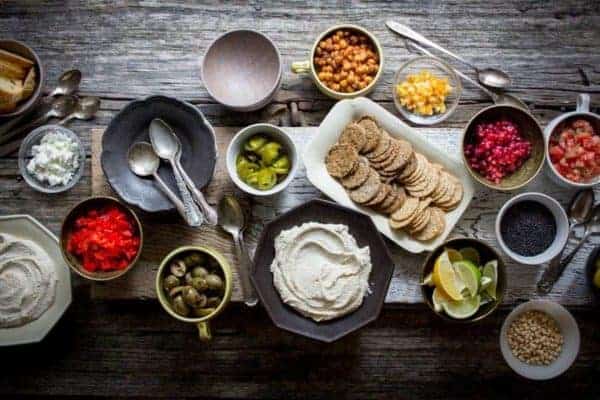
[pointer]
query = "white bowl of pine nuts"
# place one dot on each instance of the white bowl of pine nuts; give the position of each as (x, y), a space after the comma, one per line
(539, 339)
(345, 61)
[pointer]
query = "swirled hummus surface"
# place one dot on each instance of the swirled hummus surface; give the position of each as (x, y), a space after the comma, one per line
(320, 271)
(27, 281)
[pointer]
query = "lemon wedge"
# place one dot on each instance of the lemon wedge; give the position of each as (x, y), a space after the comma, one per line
(446, 278)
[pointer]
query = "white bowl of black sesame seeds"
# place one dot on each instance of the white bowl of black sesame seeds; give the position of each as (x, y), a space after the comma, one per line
(540, 339)
(532, 228)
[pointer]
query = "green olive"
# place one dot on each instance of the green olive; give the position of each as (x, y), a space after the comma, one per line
(203, 312)
(192, 298)
(170, 282)
(188, 278)
(269, 152)
(282, 165)
(199, 272)
(214, 282)
(213, 301)
(180, 307)
(267, 178)
(176, 291)
(178, 268)
(200, 284)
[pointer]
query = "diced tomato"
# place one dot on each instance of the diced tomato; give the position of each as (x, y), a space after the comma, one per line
(575, 152)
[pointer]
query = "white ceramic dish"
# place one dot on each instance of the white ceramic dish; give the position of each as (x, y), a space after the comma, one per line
(562, 228)
(332, 126)
(26, 226)
(235, 148)
(582, 111)
(569, 329)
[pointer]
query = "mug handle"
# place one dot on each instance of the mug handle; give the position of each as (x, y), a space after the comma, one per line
(301, 67)
(583, 102)
(204, 331)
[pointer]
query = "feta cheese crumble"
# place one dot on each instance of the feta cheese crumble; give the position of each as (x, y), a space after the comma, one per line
(55, 160)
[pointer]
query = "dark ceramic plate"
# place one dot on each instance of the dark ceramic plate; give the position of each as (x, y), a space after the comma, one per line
(590, 270)
(198, 157)
(365, 233)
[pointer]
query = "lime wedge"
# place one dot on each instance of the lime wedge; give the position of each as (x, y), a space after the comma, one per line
(490, 270)
(438, 299)
(484, 283)
(453, 255)
(462, 309)
(446, 278)
(470, 275)
(470, 254)
(428, 281)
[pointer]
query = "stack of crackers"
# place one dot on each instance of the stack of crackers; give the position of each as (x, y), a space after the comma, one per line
(386, 174)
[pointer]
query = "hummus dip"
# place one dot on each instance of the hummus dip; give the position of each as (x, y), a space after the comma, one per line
(27, 281)
(320, 271)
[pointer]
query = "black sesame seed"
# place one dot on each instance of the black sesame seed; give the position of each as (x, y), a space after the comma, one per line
(528, 228)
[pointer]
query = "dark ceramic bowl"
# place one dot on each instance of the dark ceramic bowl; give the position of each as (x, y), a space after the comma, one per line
(487, 253)
(590, 270)
(242, 69)
(365, 233)
(130, 125)
(530, 130)
(23, 50)
(93, 203)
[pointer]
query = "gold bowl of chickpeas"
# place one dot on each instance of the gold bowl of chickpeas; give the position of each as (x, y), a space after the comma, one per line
(346, 61)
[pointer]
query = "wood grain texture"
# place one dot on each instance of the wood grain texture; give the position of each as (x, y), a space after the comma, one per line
(133, 349)
(478, 221)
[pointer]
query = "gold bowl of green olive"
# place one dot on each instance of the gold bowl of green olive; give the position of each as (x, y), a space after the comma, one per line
(262, 159)
(193, 284)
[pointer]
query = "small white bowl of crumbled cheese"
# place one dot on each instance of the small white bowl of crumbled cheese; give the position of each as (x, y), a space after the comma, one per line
(52, 159)
(539, 339)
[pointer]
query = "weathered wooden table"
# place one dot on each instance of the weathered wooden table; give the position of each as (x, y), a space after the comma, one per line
(116, 341)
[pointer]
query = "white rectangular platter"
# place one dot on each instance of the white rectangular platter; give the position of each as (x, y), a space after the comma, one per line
(330, 129)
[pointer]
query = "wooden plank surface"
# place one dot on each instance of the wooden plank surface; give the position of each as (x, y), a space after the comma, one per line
(478, 222)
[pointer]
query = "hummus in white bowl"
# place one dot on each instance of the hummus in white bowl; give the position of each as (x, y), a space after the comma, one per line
(27, 281)
(320, 271)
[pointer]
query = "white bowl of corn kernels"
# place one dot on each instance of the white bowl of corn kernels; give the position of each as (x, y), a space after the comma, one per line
(539, 339)
(426, 90)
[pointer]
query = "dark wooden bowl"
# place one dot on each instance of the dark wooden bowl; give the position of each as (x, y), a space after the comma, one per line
(530, 129)
(365, 233)
(590, 270)
(19, 48)
(487, 253)
(67, 227)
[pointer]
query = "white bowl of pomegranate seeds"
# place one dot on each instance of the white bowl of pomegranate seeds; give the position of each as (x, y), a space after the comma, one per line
(503, 147)
(539, 339)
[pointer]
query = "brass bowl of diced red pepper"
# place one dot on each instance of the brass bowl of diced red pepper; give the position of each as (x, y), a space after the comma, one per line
(101, 238)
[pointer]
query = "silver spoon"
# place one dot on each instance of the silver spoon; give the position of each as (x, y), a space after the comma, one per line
(60, 107)
(144, 163)
(487, 76)
(86, 108)
(162, 134)
(68, 83)
(551, 275)
(168, 149)
(231, 220)
(497, 98)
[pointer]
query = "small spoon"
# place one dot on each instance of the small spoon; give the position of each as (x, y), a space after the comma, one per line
(551, 275)
(68, 83)
(487, 76)
(497, 98)
(231, 220)
(166, 148)
(59, 108)
(86, 108)
(161, 134)
(144, 163)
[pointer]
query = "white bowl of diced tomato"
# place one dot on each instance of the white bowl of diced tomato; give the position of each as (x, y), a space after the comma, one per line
(573, 146)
